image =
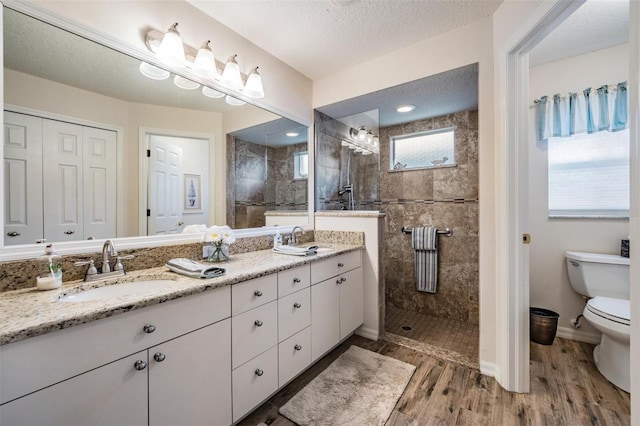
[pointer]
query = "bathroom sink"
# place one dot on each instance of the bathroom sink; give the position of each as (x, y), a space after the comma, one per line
(116, 290)
(323, 249)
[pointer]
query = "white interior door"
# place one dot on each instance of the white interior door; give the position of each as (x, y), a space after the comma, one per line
(165, 187)
(99, 183)
(62, 148)
(23, 222)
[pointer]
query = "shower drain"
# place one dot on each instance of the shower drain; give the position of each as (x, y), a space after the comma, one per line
(406, 327)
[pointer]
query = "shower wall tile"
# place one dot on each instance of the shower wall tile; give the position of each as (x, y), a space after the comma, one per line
(440, 197)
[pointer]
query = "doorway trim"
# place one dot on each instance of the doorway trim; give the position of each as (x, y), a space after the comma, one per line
(143, 167)
(512, 259)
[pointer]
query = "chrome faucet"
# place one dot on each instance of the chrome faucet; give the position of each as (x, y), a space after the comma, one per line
(107, 249)
(294, 241)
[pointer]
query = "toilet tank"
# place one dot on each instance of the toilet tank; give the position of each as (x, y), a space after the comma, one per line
(595, 274)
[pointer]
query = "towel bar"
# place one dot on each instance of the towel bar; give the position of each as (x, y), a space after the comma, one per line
(447, 231)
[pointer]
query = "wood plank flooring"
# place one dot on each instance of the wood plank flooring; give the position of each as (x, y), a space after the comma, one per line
(566, 389)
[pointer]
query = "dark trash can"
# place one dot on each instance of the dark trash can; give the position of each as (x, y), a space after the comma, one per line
(543, 325)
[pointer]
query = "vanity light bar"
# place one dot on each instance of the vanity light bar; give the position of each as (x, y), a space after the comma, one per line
(228, 74)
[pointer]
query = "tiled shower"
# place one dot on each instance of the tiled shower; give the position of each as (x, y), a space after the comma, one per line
(444, 197)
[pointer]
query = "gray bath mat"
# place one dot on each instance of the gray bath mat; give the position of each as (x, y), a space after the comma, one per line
(359, 388)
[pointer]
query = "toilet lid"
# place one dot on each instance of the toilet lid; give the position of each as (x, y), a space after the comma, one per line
(618, 310)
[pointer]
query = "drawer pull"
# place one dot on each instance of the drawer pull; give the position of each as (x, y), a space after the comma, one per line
(258, 323)
(259, 372)
(296, 280)
(13, 234)
(149, 328)
(159, 356)
(69, 232)
(257, 293)
(340, 265)
(297, 305)
(140, 365)
(297, 347)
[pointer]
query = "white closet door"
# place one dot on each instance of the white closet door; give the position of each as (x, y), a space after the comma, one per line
(23, 222)
(99, 183)
(62, 168)
(165, 188)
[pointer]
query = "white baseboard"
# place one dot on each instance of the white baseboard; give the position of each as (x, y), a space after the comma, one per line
(580, 336)
(488, 369)
(369, 333)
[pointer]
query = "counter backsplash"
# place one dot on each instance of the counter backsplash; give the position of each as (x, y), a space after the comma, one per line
(21, 274)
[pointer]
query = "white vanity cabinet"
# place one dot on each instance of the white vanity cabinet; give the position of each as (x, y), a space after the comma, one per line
(73, 374)
(336, 301)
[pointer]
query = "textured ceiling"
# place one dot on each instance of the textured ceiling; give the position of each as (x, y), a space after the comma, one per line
(321, 37)
(597, 24)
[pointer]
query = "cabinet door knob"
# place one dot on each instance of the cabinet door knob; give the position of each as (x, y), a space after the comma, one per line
(140, 365)
(258, 293)
(297, 347)
(342, 279)
(340, 264)
(69, 232)
(13, 234)
(149, 328)
(297, 305)
(338, 281)
(259, 372)
(258, 323)
(159, 356)
(296, 280)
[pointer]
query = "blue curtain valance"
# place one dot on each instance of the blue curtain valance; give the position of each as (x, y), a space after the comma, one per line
(591, 111)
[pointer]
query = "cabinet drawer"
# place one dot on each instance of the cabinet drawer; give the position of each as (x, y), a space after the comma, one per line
(293, 279)
(253, 332)
(327, 268)
(294, 313)
(253, 293)
(294, 355)
(66, 353)
(254, 382)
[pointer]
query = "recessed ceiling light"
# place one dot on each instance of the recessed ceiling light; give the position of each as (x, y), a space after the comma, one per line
(292, 134)
(406, 108)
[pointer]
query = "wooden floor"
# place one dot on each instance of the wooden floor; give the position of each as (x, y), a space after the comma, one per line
(566, 389)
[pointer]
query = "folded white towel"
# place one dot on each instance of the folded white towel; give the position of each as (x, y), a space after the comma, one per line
(296, 251)
(194, 269)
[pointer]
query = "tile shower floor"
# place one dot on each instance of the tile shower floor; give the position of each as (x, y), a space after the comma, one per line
(429, 331)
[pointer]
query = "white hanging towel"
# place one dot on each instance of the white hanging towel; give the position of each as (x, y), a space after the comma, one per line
(424, 242)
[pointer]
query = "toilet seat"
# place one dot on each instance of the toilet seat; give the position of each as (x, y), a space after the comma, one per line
(616, 310)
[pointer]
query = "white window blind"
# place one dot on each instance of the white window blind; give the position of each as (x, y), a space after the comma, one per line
(589, 175)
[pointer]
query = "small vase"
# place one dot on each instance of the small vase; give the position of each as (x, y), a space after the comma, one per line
(220, 253)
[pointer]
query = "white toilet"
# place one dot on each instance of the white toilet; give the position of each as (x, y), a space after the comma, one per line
(604, 279)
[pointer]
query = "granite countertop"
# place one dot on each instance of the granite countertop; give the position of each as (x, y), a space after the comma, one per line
(29, 312)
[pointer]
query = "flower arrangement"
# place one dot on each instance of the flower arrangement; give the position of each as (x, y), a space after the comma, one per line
(220, 237)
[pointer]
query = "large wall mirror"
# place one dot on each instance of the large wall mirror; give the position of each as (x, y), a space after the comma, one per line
(93, 149)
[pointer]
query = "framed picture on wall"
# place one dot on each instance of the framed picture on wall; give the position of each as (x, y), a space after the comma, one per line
(192, 193)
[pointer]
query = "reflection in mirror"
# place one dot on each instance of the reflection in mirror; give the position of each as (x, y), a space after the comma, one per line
(267, 175)
(84, 108)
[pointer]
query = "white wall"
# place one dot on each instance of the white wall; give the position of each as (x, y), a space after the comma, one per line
(466, 45)
(549, 283)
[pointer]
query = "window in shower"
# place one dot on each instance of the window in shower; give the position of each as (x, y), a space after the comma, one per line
(301, 165)
(435, 148)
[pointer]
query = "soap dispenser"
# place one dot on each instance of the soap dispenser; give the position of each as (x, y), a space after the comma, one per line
(49, 270)
(277, 239)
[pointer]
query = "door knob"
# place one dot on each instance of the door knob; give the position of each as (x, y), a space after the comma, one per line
(140, 365)
(258, 293)
(297, 347)
(296, 280)
(258, 323)
(149, 328)
(159, 356)
(259, 372)
(297, 305)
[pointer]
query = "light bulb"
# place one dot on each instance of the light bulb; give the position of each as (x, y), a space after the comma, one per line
(205, 62)
(362, 134)
(171, 50)
(231, 74)
(233, 101)
(369, 137)
(375, 141)
(185, 83)
(153, 72)
(254, 88)
(208, 91)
